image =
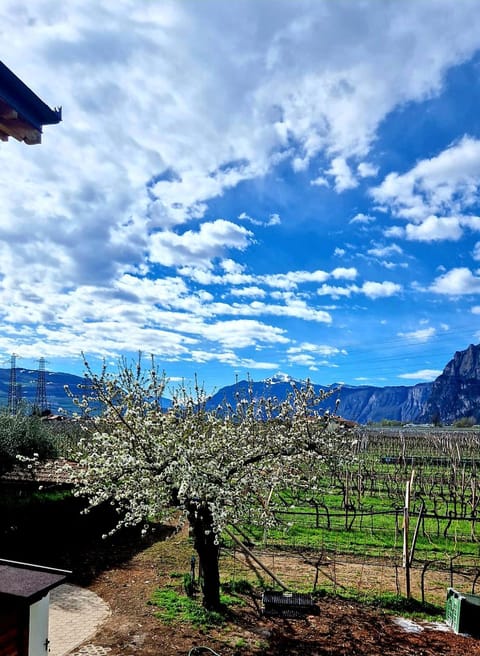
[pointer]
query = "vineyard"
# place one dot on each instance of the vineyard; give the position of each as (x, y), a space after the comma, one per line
(409, 499)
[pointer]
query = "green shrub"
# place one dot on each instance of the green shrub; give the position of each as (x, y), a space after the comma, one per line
(464, 422)
(25, 436)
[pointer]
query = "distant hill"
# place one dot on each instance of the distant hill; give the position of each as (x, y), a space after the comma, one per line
(455, 394)
(58, 400)
(362, 404)
(27, 380)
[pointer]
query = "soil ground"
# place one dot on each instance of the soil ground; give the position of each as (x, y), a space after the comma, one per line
(341, 628)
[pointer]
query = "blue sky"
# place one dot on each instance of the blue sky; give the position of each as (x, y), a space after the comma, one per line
(245, 188)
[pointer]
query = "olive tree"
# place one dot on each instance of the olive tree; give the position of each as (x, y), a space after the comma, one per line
(214, 468)
(24, 437)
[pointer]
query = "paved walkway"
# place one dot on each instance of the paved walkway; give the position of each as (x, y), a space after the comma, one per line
(75, 616)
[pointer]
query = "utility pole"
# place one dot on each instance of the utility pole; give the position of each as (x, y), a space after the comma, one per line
(41, 406)
(13, 387)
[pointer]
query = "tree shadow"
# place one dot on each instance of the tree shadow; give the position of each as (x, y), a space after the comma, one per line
(58, 533)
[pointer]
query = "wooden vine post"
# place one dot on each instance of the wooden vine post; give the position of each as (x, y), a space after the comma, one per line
(406, 520)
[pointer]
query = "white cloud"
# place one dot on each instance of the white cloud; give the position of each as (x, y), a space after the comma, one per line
(255, 292)
(362, 218)
(243, 216)
(249, 364)
(426, 375)
(370, 289)
(392, 265)
(200, 247)
(320, 182)
(343, 273)
(231, 359)
(456, 282)
(340, 107)
(273, 220)
(435, 195)
(435, 228)
(336, 292)
(476, 251)
(342, 173)
(367, 170)
(443, 181)
(395, 232)
(240, 333)
(283, 281)
(471, 222)
(303, 360)
(293, 307)
(421, 335)
(194, 148)
(385, 251)
(232, 267)
(318, 349)
(312, 355)
(380, 289)
(292, 279)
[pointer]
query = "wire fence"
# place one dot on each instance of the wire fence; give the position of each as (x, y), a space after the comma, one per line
(351, 533)
(314, 570)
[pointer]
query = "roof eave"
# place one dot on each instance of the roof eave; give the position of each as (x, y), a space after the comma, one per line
(22, 112)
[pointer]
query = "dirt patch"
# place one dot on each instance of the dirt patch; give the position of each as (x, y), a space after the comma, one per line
(341, 628)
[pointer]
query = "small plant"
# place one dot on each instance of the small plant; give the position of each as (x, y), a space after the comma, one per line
(174, 607)
(408, 607)
(242, 586)
(189, 585)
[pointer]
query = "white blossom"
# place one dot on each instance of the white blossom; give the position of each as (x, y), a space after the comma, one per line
(151, 462)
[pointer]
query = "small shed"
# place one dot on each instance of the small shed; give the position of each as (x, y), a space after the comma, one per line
(24, 606)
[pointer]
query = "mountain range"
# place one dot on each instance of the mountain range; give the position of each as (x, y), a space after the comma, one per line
(454, 395)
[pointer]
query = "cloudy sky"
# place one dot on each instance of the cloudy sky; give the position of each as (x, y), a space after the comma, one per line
(245, 187)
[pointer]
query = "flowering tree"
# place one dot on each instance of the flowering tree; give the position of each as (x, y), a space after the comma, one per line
(218, 467)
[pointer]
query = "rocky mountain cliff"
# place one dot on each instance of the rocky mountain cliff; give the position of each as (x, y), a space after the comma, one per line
(456, 392)
(372, 404)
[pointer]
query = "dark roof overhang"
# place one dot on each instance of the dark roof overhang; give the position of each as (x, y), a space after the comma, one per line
(26, 582)
(22, 112)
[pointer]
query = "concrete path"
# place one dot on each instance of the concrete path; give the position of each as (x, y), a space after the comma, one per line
(75, 616)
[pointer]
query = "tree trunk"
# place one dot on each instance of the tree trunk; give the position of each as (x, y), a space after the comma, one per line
(201, 521)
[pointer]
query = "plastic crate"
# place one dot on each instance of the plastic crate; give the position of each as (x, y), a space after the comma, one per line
(288, 604)
(462, 612)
